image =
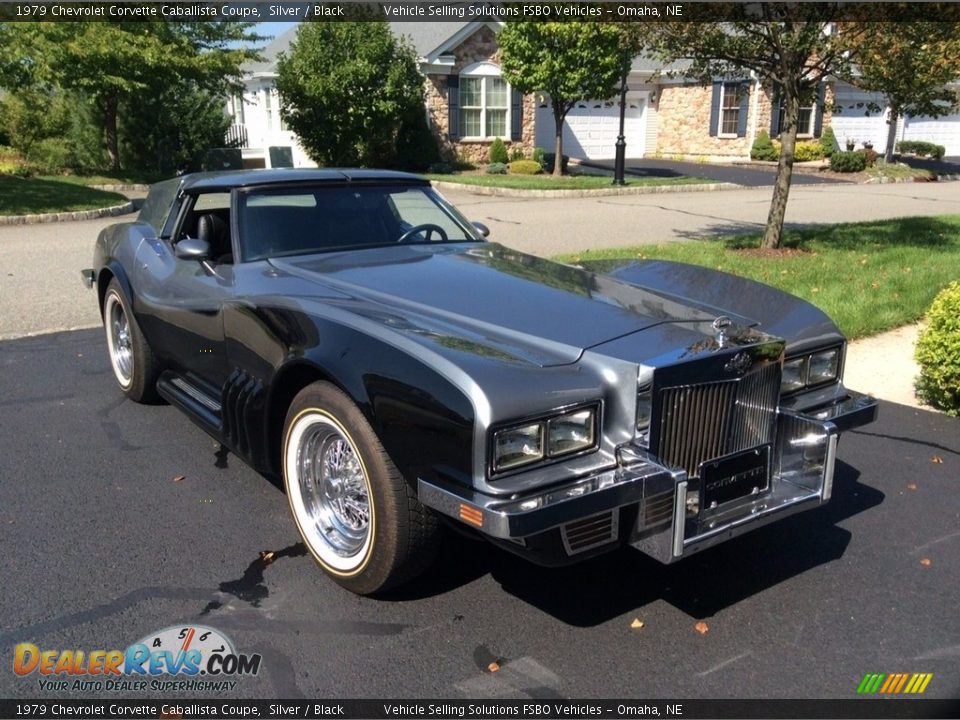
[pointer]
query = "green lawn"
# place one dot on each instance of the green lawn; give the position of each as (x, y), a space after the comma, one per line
(29, 196)
(869, 277)
(568, 182)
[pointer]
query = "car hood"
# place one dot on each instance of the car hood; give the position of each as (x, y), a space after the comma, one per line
(497, 293)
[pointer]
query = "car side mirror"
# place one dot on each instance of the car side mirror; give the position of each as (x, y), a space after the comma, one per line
(482, 229)
(193, 249)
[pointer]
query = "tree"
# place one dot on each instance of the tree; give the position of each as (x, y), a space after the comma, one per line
(172, 128)
(346, 89)
(113, 62)
(570, 61)
(910, 64)
(790, 46)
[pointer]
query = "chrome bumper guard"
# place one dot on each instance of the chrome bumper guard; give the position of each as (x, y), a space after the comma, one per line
(801, 477)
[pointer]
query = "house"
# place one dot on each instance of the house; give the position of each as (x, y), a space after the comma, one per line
(469, 104)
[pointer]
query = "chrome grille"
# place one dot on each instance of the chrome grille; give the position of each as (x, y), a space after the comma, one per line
(701, 422)
(590, 532)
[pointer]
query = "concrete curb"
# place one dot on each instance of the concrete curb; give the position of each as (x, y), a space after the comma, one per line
(594, 192)
(889, 181)
(122, 188)
(67, 216)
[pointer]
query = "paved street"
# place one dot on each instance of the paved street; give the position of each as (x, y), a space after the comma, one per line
(40, 287)
(101, 546)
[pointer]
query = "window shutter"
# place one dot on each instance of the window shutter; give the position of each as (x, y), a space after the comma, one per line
(516, 115)
(744, 109)
(818, 110)
(715, 108)
(775, 111)
(453, 106)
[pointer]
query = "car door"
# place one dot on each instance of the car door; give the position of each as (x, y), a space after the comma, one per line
(182, 300)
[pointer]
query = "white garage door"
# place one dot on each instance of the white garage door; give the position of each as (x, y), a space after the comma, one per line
(854, 120)
(942, 131)
(591, 128)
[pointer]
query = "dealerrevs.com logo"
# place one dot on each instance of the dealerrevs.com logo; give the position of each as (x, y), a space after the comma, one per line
(199, 657)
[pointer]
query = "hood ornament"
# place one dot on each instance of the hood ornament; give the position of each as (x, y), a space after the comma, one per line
(720, 325)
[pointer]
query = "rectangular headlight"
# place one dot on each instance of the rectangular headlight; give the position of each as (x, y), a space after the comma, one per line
(571, 433)
(518, 446)
(794, 375)
(823, 366)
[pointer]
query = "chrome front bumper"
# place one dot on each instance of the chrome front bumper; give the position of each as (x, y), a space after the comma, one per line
(801, 470)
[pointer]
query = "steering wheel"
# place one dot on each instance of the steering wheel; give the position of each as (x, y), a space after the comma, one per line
(428, 228)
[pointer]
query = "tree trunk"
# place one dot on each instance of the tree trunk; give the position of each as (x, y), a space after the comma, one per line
(891, 132)
(773, 234)
(110, 106)
(559, 113)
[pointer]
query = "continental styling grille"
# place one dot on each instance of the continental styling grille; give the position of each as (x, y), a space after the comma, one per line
(701, 422)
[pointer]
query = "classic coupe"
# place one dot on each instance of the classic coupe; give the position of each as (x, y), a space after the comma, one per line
(351, 332)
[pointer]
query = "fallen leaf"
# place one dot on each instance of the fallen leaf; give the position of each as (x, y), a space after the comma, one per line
(79, 354)
(925, 562)
(874, 285)
(636, 624)
(702, 628)
(911, 486)
(936, 460)
(267, 556)
(180, 478)
(815, 290)
(494, 667)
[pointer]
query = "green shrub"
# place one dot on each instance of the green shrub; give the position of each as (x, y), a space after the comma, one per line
(828, 141)
(550, 158)
(525, 167)
(516, 153)
(807, 151)
(763, 148)
(50, 156)
(848, 161)
(498, 152)
(538, 153)
(440, 168)
(497, 168)
(921, 148)
(938, 352)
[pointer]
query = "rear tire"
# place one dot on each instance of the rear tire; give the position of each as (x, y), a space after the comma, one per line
(360, 519)
(134, 365)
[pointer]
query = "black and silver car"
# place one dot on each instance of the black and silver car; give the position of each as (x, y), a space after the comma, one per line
(352, 332)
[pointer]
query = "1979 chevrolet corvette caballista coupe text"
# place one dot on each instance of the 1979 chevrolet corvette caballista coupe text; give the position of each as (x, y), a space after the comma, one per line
(352, 332)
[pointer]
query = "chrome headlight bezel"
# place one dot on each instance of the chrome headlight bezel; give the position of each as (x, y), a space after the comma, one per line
(805, 371)
(549, 428)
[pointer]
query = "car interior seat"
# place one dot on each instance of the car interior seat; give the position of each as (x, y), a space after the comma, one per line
(213, 230)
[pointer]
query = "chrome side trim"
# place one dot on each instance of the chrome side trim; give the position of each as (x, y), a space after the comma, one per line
(830, 463)
(198, 395)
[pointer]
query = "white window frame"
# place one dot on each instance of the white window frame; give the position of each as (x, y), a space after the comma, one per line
(484, 71)
(723, 95)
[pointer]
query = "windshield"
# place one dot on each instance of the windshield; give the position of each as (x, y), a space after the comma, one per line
(297, 220)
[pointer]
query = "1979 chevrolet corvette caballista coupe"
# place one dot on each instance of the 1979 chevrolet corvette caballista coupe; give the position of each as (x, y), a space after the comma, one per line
(352, 332)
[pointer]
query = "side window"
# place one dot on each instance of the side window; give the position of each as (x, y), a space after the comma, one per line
(209, 220)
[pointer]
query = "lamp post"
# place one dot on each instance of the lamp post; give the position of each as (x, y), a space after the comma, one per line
(621, 145)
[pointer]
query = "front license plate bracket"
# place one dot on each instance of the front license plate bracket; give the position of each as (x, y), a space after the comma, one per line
(732, 477)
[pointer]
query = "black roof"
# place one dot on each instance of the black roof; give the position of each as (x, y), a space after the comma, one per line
(244, 178)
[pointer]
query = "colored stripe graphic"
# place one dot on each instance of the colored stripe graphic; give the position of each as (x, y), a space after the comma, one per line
(894, 683)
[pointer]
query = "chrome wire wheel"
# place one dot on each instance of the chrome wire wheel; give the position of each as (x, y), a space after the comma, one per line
(119, 339)
(329, 491)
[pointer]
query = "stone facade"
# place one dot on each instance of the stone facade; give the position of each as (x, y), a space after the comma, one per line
(683, 131)
(479, 47)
